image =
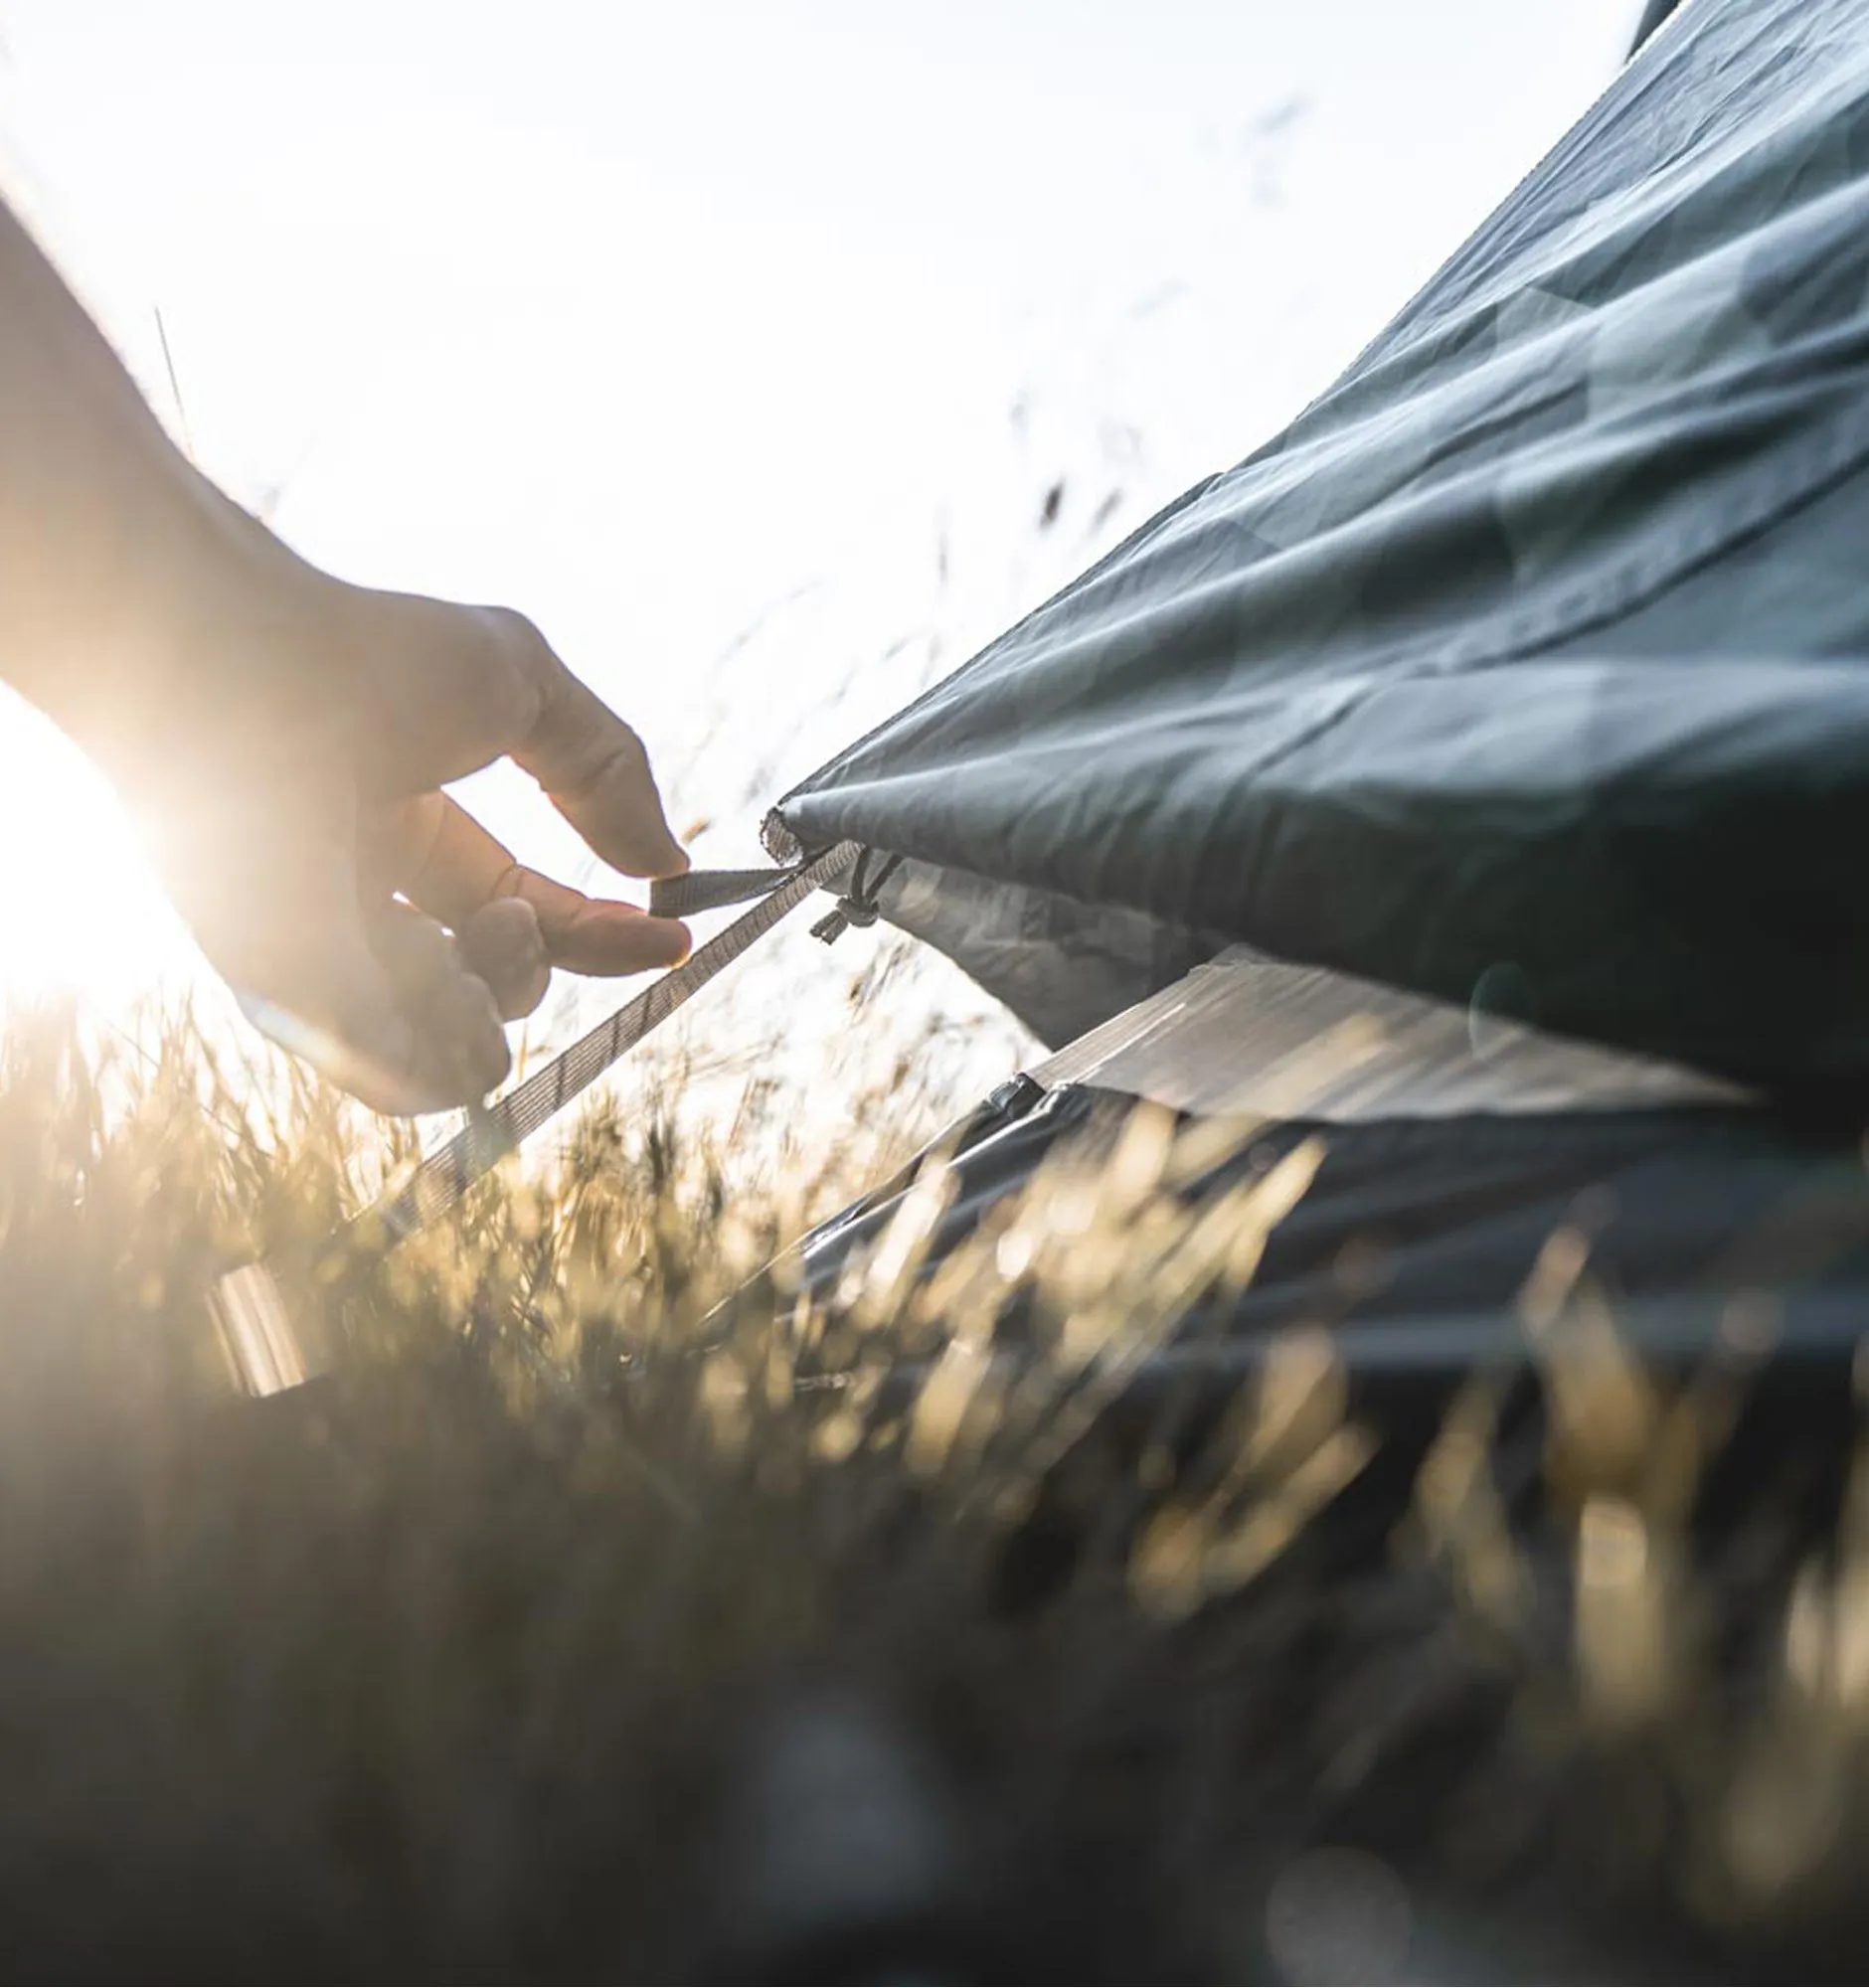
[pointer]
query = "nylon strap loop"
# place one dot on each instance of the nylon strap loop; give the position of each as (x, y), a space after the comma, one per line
(490, 1134)
(713, 890)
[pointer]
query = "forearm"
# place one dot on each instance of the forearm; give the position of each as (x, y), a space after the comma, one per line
(112, 544)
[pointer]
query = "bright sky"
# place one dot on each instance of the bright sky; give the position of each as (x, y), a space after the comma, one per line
(735, 343)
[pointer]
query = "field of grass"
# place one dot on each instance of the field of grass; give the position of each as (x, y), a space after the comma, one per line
(562, 1633)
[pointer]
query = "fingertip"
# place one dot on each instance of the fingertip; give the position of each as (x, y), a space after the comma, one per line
(462, 1051)
(446, 1047)
(611, 800)
(487, 1056)
(609, 941)
(651, 942)
(504, 946)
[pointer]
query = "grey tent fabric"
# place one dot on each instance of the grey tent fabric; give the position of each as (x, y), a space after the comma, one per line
(1654, 16)
(1529, 663)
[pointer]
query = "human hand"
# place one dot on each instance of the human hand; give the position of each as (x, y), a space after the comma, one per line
(288, 765)
(285, 737)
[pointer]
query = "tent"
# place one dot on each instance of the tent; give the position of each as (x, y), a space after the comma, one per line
(1404, 693)
(1510, 708)
(1501, 729)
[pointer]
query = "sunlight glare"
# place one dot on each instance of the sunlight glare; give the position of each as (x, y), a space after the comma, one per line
(79, 899)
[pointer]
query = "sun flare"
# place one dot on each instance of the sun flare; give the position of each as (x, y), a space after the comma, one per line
(79, 903)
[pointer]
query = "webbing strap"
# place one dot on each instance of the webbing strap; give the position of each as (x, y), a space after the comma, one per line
(711, 889)
(265, 1349)
(490, 1134)
(714, 889)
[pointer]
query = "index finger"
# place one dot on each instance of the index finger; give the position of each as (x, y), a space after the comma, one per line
(466, 685)
(464, 869)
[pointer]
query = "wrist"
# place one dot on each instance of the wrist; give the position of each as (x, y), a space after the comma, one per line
(204, 636)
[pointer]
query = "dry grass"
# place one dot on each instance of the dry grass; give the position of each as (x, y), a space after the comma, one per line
(562, 1633)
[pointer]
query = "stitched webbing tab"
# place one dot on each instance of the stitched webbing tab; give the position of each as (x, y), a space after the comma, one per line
(714, 889)
(490, 1134)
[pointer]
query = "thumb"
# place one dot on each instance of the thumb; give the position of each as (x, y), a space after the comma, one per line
(454, 688)
(597, 773)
